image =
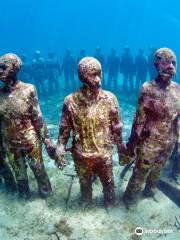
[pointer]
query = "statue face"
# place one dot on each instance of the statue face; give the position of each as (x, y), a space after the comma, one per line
(10, 64)
(90, 72)
(6, 71)
(167, 67)
(93, 78)
(165, 62)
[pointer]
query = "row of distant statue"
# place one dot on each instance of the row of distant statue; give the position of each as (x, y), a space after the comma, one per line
(92, 115)
(134, 71)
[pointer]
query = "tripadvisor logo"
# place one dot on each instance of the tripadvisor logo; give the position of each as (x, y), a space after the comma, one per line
(139, 231)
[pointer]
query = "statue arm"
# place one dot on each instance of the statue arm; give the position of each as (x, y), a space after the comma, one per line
(65, 128)
(117, 124)
(39, 124)
(138, 125)
(64, 134)
(178, 142)
(1, 146)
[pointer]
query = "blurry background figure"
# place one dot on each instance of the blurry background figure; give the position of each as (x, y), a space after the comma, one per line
(112, 68)
(100, 57)
(82, 54)
(52, 73)
(38, 73)
(127, 70)
(151, 68)
(141, 69)
(25, 72)
(69, 68)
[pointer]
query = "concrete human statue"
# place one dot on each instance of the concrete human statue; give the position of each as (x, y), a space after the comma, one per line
(155, 129)
(23, 130)
(92, 115)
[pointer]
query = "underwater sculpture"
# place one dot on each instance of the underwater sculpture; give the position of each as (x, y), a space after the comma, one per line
(155, 129)
(93, 117)
(22, 128)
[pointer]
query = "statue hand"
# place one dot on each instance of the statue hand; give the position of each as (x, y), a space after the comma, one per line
(125, 159)
(51, 148)
(130, 150)
(60, 161)
(121, 150)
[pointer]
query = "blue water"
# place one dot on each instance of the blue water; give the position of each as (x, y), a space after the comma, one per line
(54, 25)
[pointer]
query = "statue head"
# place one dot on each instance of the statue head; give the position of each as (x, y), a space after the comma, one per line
(165, 62)
(90, 72)
(10, 65)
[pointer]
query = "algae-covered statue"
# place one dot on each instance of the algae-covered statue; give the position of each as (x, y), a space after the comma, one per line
(155, 129)
(22, 128)
(93, 117)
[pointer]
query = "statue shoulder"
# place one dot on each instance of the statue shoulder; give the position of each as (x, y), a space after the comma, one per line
(148, 87)
(109, 96)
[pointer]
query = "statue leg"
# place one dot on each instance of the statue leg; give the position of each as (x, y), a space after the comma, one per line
(151, 181)
(8, 177)
(17, 161)
(176, 164)
(36, 164)
(84, 172)
(105, 174)
(136, 183)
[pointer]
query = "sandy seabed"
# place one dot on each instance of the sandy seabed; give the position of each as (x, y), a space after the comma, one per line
(55, 218)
